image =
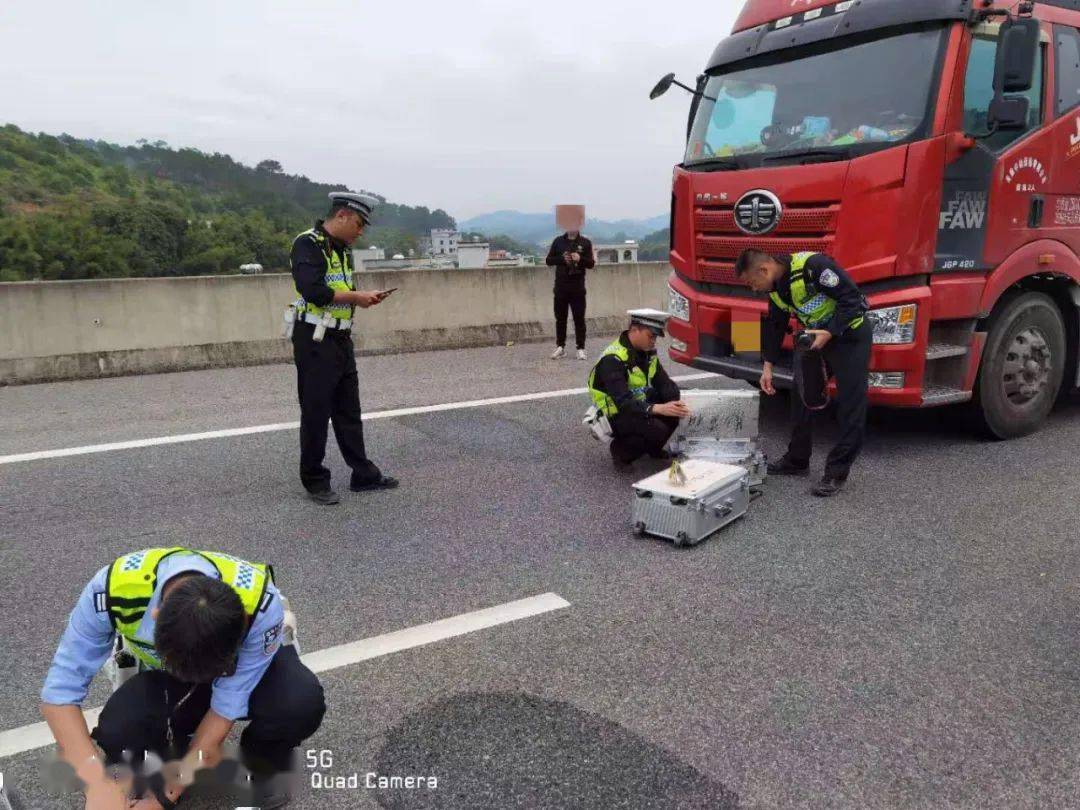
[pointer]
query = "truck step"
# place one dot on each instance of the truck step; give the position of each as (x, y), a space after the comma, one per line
(943, 395)
(939, 351)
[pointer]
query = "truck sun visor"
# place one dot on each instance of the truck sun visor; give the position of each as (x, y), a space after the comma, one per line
(840, 19)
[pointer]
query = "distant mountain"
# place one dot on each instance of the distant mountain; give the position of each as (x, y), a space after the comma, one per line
(540, 229)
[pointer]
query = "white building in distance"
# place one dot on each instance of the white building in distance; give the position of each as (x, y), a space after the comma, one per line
(473, 255)
(444, 241)
(626, 253)
(368, 254)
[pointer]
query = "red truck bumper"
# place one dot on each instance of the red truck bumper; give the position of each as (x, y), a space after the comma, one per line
(708, 342)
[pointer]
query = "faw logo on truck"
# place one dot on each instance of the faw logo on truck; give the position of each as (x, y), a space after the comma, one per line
(758, 212)
(965, 211)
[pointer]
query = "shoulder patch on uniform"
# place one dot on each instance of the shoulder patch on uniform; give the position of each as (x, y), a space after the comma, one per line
(271, 639)
(101, 602)
(828, 278)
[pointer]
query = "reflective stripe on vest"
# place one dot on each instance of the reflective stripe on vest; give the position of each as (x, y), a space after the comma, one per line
(814, 310)
(639, 382)
(132, 580)
(338, 277)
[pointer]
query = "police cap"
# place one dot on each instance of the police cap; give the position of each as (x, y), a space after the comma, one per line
(363, 204)
(653, 319)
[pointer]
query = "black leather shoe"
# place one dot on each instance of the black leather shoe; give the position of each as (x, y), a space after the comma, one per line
(785, 466)
(827, 486)
(620, 462)
(662, 455)
(383, 482)
(327, 497)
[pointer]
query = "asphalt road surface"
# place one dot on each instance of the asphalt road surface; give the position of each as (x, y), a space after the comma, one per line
(910, 643)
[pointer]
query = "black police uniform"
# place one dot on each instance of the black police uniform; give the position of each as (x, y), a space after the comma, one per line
(637, 431)
(285, 708)
(847, 358)
(570, 284)
(327, 382)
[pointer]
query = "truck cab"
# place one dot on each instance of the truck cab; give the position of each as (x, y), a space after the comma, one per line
(932, 147)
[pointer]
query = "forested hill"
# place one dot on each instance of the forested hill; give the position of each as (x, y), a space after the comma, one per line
(74, 208)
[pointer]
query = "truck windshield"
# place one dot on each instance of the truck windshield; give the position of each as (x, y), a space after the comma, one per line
(870, 92)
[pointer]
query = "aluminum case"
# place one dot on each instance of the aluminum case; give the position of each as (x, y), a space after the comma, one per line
(712, 496)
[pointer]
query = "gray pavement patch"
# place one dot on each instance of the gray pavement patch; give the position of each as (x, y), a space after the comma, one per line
(505, 750)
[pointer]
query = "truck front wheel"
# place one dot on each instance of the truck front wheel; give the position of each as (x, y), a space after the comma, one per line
(1022, 367)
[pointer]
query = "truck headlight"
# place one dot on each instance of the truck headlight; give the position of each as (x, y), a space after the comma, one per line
(886, 379)
(894, 324)
(678, 305)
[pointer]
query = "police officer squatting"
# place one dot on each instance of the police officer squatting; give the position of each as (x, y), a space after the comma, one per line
(206, 641)
(321, 322)
(819, 295)
(631, 389)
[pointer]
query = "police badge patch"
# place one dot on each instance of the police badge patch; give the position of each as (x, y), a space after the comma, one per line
(828, 278)
(270, 640)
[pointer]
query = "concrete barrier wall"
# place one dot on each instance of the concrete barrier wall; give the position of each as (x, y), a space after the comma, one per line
(75, 329)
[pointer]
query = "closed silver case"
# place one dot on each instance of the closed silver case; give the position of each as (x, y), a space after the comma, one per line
(713, 496)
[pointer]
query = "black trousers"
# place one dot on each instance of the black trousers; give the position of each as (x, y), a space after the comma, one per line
(285, 709)
(328, 388)
(848, 360)
(637, 434)
(570, 296)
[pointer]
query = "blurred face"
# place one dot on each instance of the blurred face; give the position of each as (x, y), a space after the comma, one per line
(642, 338)
(762, 277)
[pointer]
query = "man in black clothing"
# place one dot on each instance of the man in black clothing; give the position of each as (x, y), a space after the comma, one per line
(814, 289)
(630, 387)
(571, 255)
(327, 382)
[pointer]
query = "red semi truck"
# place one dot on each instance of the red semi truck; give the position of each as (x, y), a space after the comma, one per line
(933, 148)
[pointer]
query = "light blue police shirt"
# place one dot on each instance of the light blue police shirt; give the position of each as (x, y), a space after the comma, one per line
(88, 641)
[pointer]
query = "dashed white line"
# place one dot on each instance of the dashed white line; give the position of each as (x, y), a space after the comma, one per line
(183, 438)
(37, 735)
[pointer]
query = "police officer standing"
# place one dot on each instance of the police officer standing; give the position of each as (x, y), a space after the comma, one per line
(820, 294)
(327, 382)
(630, 387)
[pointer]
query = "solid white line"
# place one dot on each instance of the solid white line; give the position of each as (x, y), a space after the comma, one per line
(357, 651)
(246, 431)
(37, 735)
(34, 736)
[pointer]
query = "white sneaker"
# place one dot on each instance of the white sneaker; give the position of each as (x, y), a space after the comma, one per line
(581, 355)
(559, 352)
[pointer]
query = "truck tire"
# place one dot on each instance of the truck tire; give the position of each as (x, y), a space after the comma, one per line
(1022, 367)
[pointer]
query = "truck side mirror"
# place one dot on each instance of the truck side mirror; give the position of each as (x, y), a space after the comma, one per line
(662, 86)
(1014, 72)
(1010, 113)
(1018, 47)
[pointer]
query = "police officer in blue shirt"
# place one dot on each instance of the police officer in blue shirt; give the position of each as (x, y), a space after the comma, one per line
(207, 630)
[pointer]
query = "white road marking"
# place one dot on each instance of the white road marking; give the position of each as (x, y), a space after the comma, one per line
(346, 654)
(37, 735)
(34, 736)
(246, 431)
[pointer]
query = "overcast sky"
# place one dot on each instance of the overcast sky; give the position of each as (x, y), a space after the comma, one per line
(470, 106)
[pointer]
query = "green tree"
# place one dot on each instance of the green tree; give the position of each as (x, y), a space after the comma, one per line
(19, 260)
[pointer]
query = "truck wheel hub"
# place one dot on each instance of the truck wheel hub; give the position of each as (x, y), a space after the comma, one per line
(1026, 372)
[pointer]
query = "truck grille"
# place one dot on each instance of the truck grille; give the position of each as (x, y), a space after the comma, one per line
(718, 240)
